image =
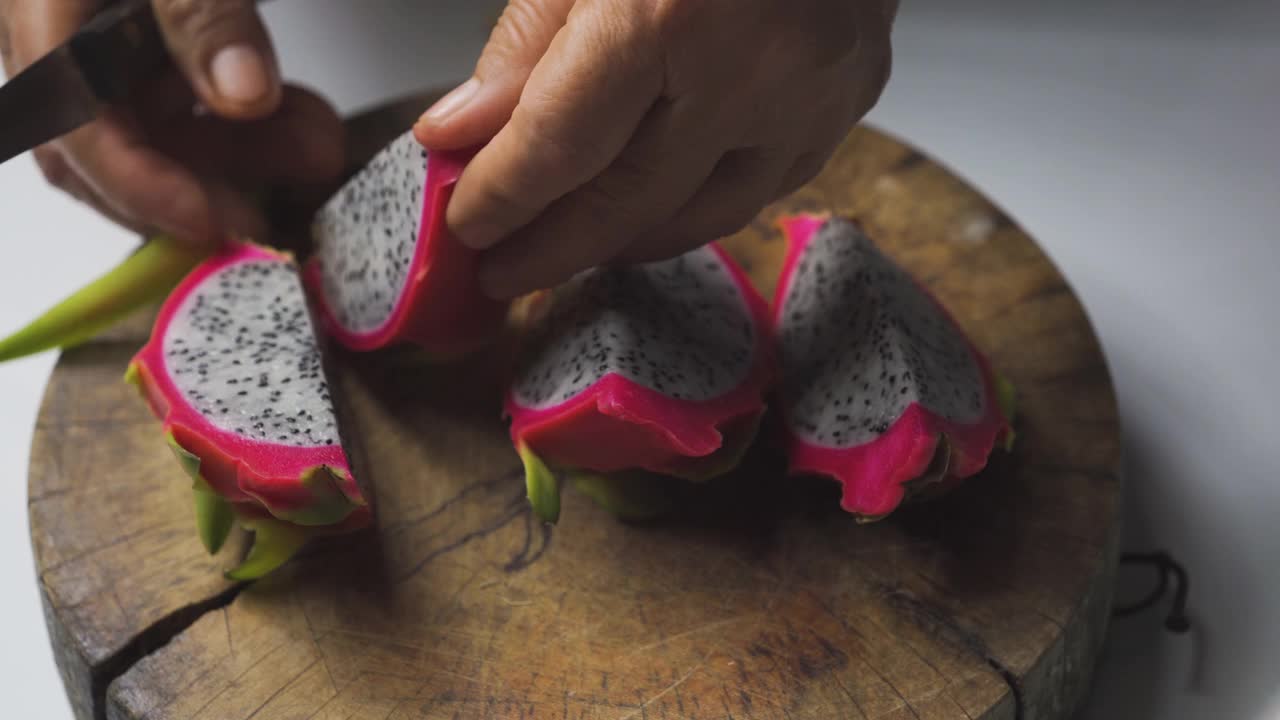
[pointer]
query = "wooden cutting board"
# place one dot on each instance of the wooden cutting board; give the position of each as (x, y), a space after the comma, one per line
(760, 599)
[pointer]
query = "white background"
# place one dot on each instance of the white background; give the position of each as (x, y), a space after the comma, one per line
(1135, 139)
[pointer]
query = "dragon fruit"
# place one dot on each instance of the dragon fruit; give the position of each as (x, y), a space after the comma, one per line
(880, 388)
(386, 268)
(659, 367)
(233, 368)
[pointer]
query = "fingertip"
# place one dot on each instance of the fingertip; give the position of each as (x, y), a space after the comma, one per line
(240, 74)
(467, 220)
(225, 52)
(244, 83)
(437, 125)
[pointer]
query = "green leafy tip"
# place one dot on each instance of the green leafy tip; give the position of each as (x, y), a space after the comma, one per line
(328, 505)
(274, 542)
(132, 376)
(143, 278)
(1007, 396)
(214, 516)
(630, 496)
(542, 486)
(188, 460)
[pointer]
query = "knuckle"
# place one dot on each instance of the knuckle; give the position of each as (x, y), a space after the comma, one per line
(650, 35)
(824, 35)
(551, 149)
(503, 198)
(607, 207)
(669, 17)
(198, 19)
(521, 29)
(184, 14)
(626, 180)
(623, 195)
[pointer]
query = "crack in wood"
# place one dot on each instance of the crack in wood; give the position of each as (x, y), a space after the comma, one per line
(95, 550)
(516, 508)
(528, 555)
(315, 639)
(672, 688)
(849, 694)
(515, 475)
(936, 622)
(1011, 680)
(149, 640)
(281, 689)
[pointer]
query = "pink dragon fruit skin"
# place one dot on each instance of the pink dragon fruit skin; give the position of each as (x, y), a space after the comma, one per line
(880, 389)
(661, 367)
(233, 370)
(386, 268)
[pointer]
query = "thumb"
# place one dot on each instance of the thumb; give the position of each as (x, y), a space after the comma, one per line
(477, 109)
(225, 52)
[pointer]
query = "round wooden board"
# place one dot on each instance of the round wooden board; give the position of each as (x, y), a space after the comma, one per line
(761, 599)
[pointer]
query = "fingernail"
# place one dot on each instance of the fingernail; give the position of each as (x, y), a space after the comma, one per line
(240, 74)
(451, 103)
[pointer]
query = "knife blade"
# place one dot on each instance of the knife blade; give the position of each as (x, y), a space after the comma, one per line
(101, 64)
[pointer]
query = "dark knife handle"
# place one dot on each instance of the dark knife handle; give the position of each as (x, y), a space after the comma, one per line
(119, 48)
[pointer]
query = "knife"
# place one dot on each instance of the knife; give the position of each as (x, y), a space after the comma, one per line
(100, 65)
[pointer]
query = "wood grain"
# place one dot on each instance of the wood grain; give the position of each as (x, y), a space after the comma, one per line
(759, 599)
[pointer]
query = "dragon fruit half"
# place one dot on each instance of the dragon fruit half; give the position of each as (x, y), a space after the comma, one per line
(659, 367)
(880, 388)
(233, 368)
(386, 268)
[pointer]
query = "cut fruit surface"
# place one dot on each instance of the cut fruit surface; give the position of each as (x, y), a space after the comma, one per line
(659, 367)
(235, 372)
(386, 268)
(877, 379)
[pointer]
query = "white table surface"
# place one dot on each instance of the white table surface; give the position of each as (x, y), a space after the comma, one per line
(1135, 139)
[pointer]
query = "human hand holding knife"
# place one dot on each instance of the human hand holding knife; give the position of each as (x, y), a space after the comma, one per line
(159, 112)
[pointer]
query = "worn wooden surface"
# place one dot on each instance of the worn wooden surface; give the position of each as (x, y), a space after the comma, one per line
(759, 600)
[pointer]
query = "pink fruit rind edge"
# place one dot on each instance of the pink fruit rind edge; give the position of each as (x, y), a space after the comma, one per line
(241, 470)
(691, 429)
(443, 169)
(904, 452)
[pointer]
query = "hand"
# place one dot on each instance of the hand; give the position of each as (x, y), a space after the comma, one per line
(635, 130)
(158, 165)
